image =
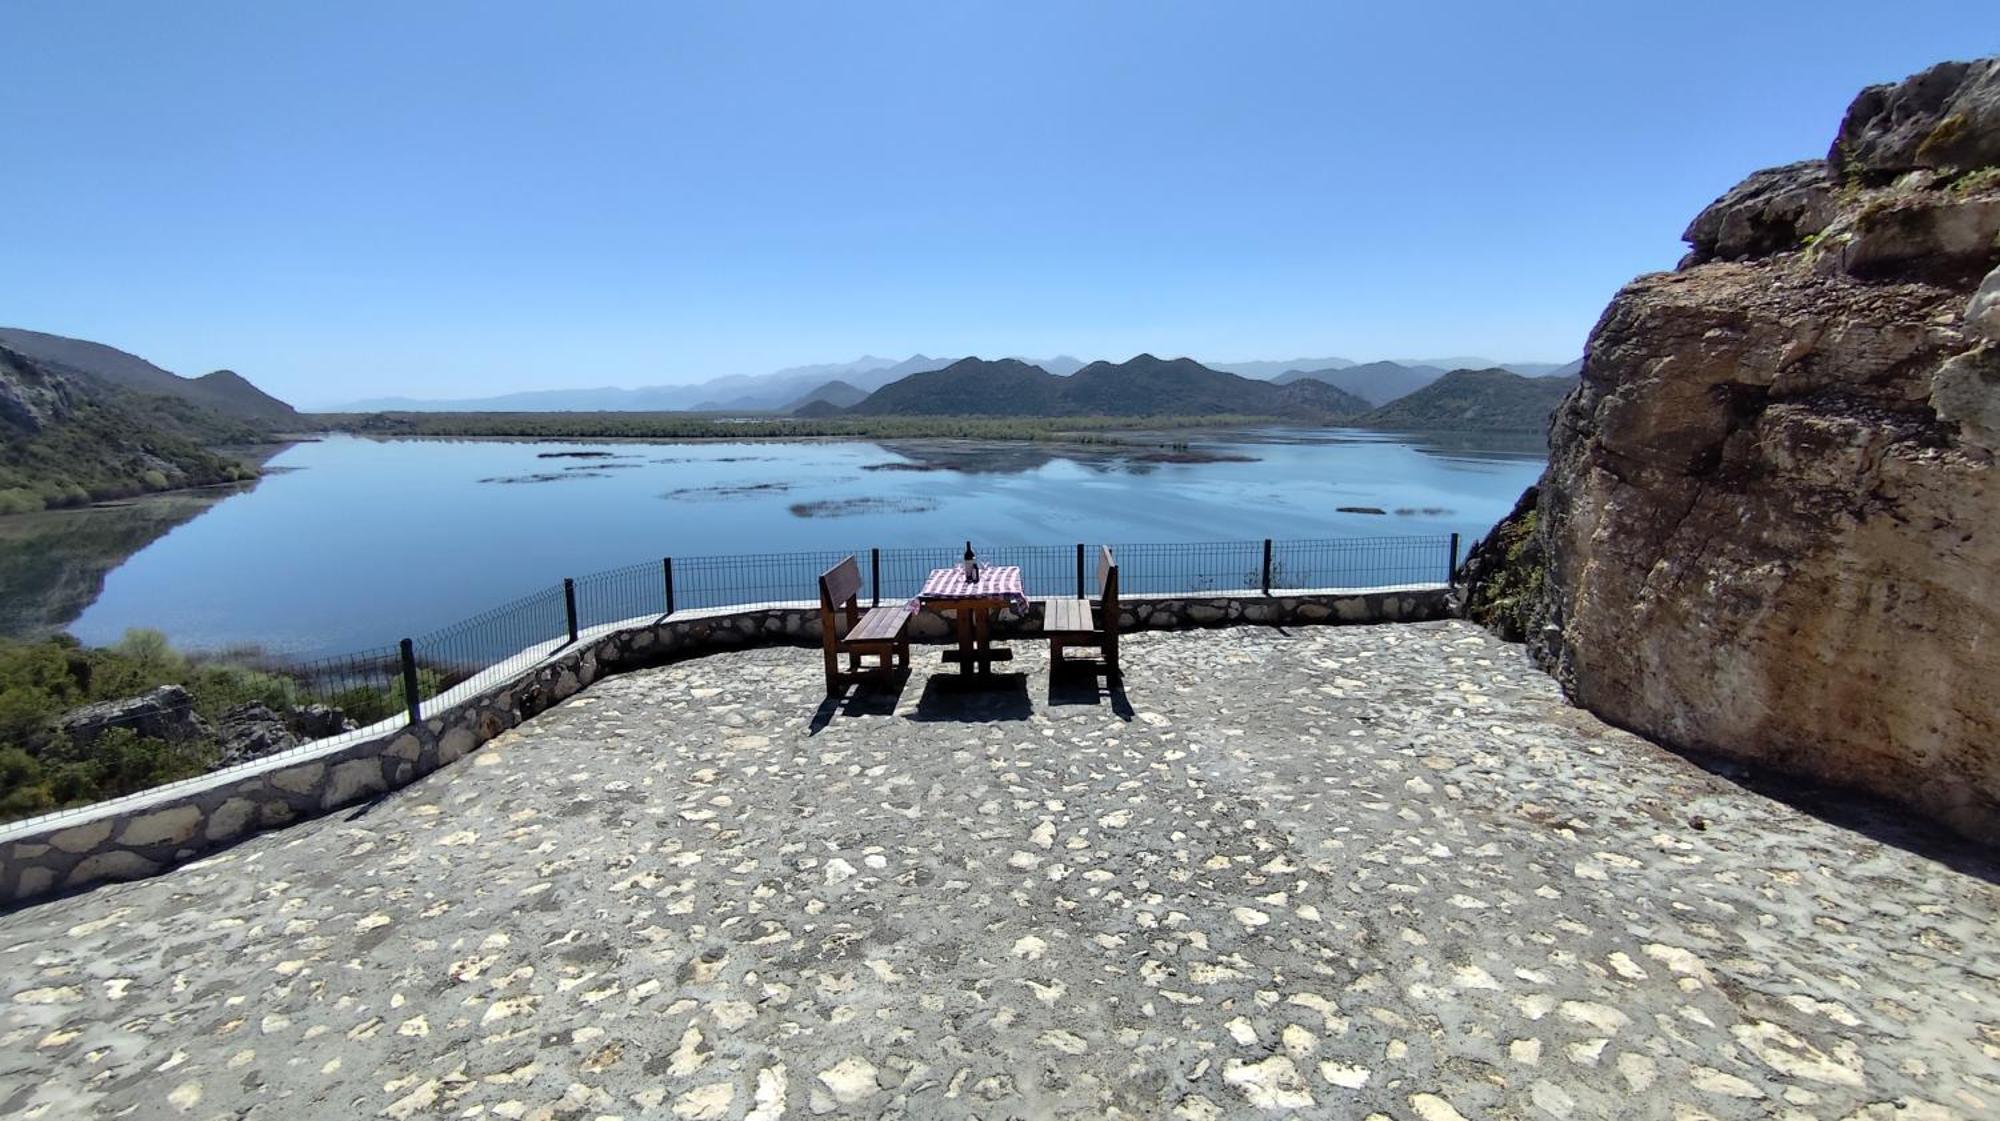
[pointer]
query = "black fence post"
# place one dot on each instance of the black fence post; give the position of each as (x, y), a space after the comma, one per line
(1267, 566)
(1080, 589)
(569, 605)
(875, 575)
(1451, 574)
(667, 566)
(410, 681)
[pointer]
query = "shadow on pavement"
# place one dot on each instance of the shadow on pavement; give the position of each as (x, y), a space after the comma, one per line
(869, 697)
(1085, 686)
(974, 698)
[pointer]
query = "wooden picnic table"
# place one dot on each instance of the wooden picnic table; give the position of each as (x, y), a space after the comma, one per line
(998, 588)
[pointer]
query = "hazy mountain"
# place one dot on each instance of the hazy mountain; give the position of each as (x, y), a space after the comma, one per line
(223, 391)
(1143, 386)
(837, 393)
(1375, 382)
(1473, 362)
(773, 392)
(1273, 369)
(1062, 365)
(1475, 400)
(770, 392)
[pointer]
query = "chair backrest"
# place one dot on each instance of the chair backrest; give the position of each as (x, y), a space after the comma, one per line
(839, 588)
(1107, 587)
(840, 584)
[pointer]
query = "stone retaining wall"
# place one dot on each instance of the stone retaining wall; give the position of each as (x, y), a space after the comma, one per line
(142, 835)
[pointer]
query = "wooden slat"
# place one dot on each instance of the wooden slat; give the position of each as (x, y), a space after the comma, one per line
(1067, 616)
(879, 624)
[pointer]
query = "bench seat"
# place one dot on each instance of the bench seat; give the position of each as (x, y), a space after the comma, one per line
(1067, 616)
(880, 624)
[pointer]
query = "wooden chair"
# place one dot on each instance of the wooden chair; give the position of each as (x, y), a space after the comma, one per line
(1068, 622)
(844, 629)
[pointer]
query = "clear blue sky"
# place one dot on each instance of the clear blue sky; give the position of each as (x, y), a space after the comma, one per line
(447, 199)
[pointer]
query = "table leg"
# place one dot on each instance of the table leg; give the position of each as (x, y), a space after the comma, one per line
(965, 640)
(984, 633)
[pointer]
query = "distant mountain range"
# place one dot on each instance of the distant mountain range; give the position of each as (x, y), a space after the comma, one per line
(1375, 382)
(1141, 386)
(796, 387)
(1492, 399)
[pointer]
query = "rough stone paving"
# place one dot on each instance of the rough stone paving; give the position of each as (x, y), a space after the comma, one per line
(1332, 871)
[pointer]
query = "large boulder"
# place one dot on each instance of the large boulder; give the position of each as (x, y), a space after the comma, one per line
(167, 713)
(1946, 118)
(251, 731)
(1773, 210)
(317, 722)
(1770, 525)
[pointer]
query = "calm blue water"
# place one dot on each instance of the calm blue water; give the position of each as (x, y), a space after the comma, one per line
(355, 543)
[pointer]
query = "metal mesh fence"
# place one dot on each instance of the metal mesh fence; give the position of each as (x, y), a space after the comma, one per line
(729, 581)
(632, 592)
(1372, 562)
(366, 686)
(1186, 569)
(490, 646)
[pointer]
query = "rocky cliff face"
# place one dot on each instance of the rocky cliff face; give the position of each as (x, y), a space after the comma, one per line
(1771, 518)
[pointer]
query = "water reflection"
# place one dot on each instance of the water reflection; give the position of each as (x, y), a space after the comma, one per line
(53, 565)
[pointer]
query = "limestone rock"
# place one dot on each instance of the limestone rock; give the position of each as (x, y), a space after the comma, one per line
(351, 781)
(1768, 515)
(1773, 210)
(1982, 315)
(1916, 233)
(251, 731)
(317, 722)
(172, 826)
(167, 713)
(1947, 117)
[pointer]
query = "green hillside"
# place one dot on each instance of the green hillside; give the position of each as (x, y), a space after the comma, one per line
(224, 392)
(65, 441)
(1475, 400)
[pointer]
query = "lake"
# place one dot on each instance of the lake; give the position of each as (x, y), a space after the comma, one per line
(350, 543)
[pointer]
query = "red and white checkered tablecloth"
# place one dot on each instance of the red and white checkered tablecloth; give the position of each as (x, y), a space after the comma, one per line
(1000, 581)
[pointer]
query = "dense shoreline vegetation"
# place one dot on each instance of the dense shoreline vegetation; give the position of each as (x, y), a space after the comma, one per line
(46, 765)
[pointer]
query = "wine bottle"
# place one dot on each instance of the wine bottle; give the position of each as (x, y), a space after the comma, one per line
(970, 566)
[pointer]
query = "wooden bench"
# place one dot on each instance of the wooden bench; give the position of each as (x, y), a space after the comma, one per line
(1069, 622)
(882, 632)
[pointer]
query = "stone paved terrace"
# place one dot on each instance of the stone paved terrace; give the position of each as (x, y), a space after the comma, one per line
(1331, 872)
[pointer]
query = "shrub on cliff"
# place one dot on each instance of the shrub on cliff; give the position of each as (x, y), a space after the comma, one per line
(1504, 575)
(42, 767)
